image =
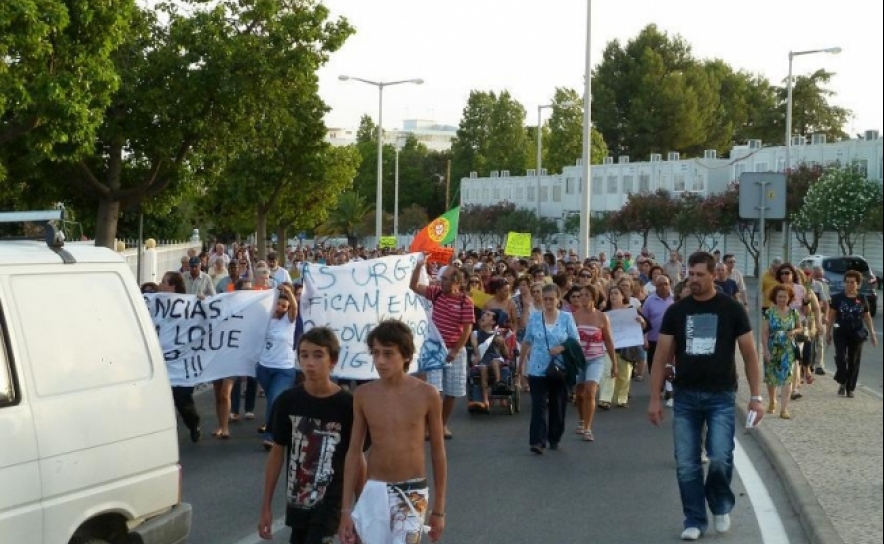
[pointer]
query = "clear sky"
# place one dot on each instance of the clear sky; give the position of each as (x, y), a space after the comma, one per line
(530, 47)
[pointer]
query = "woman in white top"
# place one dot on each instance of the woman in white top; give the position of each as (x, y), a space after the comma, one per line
(276, 364)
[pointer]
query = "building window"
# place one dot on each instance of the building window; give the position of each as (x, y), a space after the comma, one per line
(612, 185)
(679, 183)
(544, 194)
(520, 193)
(532, 194)
(496, 193)
(739, 168)
(781, 164)
(700, 182)
(486, 192)
(596, 185)
(863, 166)
(507, 193)
(628, 187)
(663, 182)
(557, 193)
(570, 186)
(644, 183)
(761, 166)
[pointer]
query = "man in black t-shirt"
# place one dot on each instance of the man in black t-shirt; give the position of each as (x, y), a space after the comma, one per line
(311, 426)
(701, 332)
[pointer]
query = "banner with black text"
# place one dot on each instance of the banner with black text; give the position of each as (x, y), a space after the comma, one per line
(217, 337)
(353, 298)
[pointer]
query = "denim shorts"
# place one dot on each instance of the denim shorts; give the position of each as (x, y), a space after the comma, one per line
(593, 370)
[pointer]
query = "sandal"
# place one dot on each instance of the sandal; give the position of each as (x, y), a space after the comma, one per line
(605, 405)
(221, 434)
(588, 436)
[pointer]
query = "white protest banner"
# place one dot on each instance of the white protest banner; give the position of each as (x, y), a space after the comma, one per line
(353, 298)
(625, 328)
(217, 337)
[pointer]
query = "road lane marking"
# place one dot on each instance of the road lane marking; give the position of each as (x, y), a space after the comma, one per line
(277, 527)
(769, 521)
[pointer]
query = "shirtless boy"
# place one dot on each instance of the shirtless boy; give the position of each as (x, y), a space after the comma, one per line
(397, 410)
(312, 423)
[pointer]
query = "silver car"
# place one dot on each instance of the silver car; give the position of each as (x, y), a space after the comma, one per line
(833, 272)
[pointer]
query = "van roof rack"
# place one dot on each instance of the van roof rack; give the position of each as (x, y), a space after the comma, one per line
(46, 218)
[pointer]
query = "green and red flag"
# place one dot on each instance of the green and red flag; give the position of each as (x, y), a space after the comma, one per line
(440, 231)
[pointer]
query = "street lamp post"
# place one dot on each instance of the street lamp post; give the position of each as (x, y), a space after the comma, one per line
(379, 201)
(396, 192)
(585, 201)
(788, 154)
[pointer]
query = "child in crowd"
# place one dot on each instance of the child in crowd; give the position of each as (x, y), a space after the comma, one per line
(396, 410)
(311, 425)
(489, 350)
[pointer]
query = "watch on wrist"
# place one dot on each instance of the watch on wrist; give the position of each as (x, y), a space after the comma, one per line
(756, 398)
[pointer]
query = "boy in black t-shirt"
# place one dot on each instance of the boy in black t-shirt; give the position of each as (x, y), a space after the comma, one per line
(311, 427)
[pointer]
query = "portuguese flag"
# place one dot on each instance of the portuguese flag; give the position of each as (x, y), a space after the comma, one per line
(440, 231)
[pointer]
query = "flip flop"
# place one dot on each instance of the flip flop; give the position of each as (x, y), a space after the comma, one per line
(220, 434)
(447, 435)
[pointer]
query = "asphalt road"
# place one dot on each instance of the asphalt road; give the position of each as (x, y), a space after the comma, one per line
(619, 489)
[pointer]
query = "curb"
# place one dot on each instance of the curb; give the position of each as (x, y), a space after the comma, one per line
(814, 520)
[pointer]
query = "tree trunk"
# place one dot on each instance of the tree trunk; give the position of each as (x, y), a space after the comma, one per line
(106, 224)
(261, 234)
(282, 242)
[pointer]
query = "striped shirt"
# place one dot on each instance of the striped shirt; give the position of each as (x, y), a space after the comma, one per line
(450, 314)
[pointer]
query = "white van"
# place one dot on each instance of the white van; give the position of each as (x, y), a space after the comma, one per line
(88, 439)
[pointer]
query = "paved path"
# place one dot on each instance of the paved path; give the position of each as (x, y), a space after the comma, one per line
(829, 456)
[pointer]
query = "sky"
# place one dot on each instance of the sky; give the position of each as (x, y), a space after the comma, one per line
(529, 48)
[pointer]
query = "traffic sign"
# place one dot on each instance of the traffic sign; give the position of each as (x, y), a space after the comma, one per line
(765, 190)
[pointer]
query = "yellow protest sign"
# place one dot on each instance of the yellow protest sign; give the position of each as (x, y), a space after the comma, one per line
(388, 242)
(518, 244)
(479, 297)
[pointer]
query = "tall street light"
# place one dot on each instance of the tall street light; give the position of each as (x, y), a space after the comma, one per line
(540, 109)
(586, 196)
(379, 213)
(788, 165)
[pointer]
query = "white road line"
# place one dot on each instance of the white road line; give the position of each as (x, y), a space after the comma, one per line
(254, 538)
(769, 521)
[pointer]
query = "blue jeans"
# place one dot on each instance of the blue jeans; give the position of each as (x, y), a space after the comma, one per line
(273, 381)
(717, 411)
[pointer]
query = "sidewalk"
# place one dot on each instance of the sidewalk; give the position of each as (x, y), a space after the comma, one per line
(829, 456)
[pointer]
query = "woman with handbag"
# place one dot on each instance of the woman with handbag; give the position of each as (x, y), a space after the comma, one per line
(542, 348)
(852, 325)
(780, 325)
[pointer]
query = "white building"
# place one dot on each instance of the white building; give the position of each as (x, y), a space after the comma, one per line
(613, 181)
(435, 136)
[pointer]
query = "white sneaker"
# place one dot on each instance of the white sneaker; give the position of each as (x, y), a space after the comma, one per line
(250, 415)
(703, 457)
(722, 523)
(691, 533)
(670, 403)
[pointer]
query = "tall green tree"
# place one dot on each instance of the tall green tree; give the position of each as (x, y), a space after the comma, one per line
(812, 111)
(508, 143)
(349, 218)
(197, 77)
(56, 72)
(565, 142)
(469, 149)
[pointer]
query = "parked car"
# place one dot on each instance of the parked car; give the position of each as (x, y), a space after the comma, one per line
(88, 439)
(834, 269)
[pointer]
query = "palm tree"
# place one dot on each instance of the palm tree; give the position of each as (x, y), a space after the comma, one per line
(348, 217)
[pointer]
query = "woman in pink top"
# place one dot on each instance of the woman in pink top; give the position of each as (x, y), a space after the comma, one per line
(594, 330)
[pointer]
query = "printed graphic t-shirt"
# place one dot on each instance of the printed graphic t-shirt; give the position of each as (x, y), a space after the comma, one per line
(705, 334)
(316, 433)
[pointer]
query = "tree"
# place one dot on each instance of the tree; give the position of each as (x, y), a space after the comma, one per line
(546, 229)
(646, 212)
(875, 218)
(469, 149)
(747, 230)
(572, 224)
(688, 209)
(508, 143)
(413, 218)
(711, 221)
(807, 225)
(843, 197)
(565, 142)
(811, 111)
(608, 224)
(56, 72)
(348, 218)
(198, 81)
(367, 131)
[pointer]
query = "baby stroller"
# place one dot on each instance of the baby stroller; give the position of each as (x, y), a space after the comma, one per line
(497, 352)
